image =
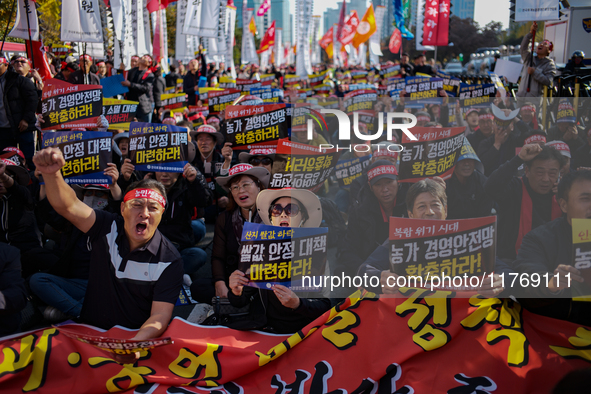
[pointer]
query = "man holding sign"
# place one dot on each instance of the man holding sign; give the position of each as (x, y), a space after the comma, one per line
(135, 272)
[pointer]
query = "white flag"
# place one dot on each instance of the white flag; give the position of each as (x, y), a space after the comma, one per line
(278, 48)
(81, 21)
(419, 31)
(118, 18)
(210, 15)
(21, 27)
(536, 10)
(192, 21)
(230, 31)
(374, 41)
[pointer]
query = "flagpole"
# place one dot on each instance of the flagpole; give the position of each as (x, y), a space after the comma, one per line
(29, 28)
(8, 24)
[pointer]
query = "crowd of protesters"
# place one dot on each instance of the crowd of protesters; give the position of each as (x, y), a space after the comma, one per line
(119, 254)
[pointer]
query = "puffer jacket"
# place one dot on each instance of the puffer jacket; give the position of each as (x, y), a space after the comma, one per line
(543, 75)
(20, 101)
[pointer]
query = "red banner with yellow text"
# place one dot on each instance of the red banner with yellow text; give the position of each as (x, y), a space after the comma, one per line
(421, 344)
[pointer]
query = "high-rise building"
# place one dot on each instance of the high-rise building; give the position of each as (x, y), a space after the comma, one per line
(238, 5)
(331, 16)
(463, 8)
(282, 17)
(358, 5)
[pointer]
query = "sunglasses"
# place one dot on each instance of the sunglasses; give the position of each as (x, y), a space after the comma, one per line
(21, 61)
(255, 161)
(289, 209)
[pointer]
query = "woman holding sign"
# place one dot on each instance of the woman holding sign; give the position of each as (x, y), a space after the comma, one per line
(279, 310)
(244, 182)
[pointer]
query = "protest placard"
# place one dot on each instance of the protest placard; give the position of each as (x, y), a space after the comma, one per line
(119, 113)
(158, 147)
(347, 171)
(272, 255)
(434, 154)
(173, 100)
(421, 88)
(66, 106)
(476, 96)
(218, 100)
(302, 166)
(86, 153)
(250, 125)
(427, 249)
(582, 255)
(112, 86)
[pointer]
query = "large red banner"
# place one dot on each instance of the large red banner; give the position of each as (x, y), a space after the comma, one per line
(421, 344)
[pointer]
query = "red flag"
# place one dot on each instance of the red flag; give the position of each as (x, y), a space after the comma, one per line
(327, 38)
(395, 41)
(342, 17)
(443, 24)
(158, 44)
(269, 39)
(264, 7)
(431, 22)
(39, 58)
(349, 29)
(155, 5)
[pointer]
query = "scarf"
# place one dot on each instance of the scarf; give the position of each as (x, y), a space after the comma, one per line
(525, 217)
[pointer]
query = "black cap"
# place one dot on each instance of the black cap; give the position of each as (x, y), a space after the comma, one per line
(405, 54)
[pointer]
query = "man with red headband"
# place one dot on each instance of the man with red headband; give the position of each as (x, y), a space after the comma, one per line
(135, 272)
(18, 102)
(139, 81)
(538, 72)
(83, 76)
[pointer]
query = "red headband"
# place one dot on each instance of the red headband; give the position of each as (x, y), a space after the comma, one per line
(3, 60)
(381, 170)
(528, 108)
(423, 118)
(145, 193)
(486, 116)
(535, 138)
(24, 58)
(550, 45)
(100, 64)
(385, 152)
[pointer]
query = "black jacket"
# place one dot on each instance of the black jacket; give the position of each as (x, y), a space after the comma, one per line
(191, 80)
(366, 228)
(506, 189)
(468, 200)
(491, 157)
(182, 198)
(582, 157)
(141, 89)
(266, 311)
(18, 226)
(476, 138)
(171, 79)
(77, 78)
(158, 90)
(20, 101)
(12, 286)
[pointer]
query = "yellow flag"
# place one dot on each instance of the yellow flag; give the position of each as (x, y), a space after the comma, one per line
(252, 27)
(329, 50)
(366, 28)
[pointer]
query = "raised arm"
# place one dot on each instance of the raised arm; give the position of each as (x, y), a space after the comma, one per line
(61, 196)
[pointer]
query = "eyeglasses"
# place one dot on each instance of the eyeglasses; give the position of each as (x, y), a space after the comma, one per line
(289, 209)
(255, 161)
(245, 185)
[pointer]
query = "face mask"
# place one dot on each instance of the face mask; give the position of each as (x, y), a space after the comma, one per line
(95, 202)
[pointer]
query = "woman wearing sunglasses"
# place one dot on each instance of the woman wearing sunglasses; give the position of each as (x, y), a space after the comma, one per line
(279, 310)
(244, 182)
(259, 157)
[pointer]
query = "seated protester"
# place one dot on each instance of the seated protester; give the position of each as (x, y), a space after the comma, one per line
(18, 226)
(582, 157)
(472, 120)
(63, 287)
(84, 76)
(212, 164)
(526, 202)
(259, 158)
(548, 249)
(484, 130)
(279, 310)
(500, 147)
(244, 182)
(184, 194)
(13, 294)
(125, 249)
(466, 197)
(528, 124)
(564, 151)
(426, 199)
(566, 129)
(379, 199)
(120, 148)
(382, 151)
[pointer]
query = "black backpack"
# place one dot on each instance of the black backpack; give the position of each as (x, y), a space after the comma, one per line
(332, 218)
